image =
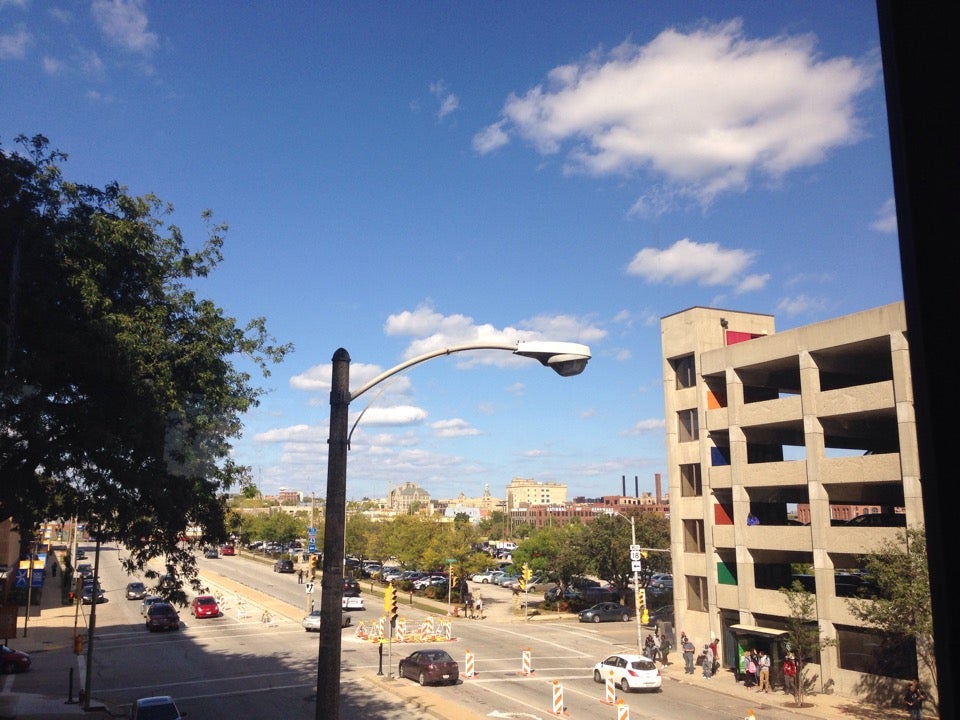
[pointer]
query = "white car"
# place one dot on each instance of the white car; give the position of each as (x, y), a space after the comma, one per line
(489, 576)
(354, 602)
(629, 672)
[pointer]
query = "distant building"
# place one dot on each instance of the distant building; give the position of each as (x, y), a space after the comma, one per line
(402, 499)
(525, 491)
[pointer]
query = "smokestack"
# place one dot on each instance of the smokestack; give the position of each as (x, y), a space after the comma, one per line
(636, 487)
(656, 483)
(624, 479)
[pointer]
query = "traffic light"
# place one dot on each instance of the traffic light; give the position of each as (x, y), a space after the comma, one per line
(313, 564)
(390, 603)
(525, 574)
(642, 606)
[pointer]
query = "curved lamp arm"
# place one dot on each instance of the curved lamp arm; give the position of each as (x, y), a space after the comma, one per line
(565, 358)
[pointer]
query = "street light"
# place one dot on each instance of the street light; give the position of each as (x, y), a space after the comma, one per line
(636, 581)
(565, 358)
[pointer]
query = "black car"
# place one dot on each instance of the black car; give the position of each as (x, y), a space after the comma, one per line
(351, 587)
(606, 612)
(162, 616)
(283, 566)
(430, 666)
(91, 590)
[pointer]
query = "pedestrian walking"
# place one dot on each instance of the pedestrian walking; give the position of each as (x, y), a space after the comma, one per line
(688, 649)
(913, 699)
(657, 647)
(707, 662)
(478, 607)
(468, 607)
(789, 674)
(764, 664)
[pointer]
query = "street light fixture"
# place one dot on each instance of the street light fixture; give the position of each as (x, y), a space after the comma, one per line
(566, 359)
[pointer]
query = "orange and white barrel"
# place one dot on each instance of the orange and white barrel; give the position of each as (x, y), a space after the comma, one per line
(557, 697)
(611, 690)
(623, 711)
(525, 668)
(469, 665)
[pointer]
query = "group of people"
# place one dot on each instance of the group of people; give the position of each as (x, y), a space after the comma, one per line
(755, 669)
(657, 647)
(473, 606)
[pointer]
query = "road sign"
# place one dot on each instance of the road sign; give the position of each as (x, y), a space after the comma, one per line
(309, 587)
(636, 566)
(636, 555)
(21, 578)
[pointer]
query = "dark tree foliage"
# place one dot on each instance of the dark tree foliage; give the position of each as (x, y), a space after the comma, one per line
(119, 396)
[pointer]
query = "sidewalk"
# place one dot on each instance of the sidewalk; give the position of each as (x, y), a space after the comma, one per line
(50, 632)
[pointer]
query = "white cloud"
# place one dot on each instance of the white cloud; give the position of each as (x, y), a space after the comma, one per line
(455, 427)
(124, 23)
(688, 261)
(646, 427)
(448, 101)
(13, 46)
(799, 304)
(886, 221)
(705, 111)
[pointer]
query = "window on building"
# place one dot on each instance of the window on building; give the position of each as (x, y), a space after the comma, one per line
(691, 480)
(693, 537)
(696, 593)
(871, 652)
(685, 370)
(688, 429)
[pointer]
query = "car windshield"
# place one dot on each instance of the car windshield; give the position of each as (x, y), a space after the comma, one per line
(158, 712)
(205, 601)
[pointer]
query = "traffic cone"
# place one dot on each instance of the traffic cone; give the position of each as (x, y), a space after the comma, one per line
(750, 715)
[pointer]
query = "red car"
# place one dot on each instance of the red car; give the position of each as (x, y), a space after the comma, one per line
(204, 606)
(162, 616)
(12, 661)
(228, 550)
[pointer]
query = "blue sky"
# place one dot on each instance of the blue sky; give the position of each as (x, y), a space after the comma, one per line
(398, 177)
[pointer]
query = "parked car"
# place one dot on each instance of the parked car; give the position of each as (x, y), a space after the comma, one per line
(283, 566)
(162, 616)
(661, 614)
(92, 592)
(81, 554)
(507, 578)
(884, 519)
(531, 583)
(205, 606)
(430, 666)
(211, 552)
(228, 550)
(606, 612)
(425, 582)
(147, 602)
(661, 581)
(630, 672)
(311, 622)
(352, 602)
(488, 576)
(136, 590)
(12, 661)
(158, 707)
(84, 570)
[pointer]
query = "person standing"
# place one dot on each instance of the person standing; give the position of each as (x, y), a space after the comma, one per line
(764, 664)
(707, 662)
(750, 673)
(657, 647)
(789, 674)
(478, 607)
(688, 649)
(716, 657)
(300, 576)
(665, 650)
(914, 700)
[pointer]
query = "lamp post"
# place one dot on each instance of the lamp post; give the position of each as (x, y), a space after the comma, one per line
(566, 359)
(636, 580)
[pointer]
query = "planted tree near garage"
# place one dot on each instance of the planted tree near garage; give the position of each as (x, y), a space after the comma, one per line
(119, 394)
(803, 635)
(899, 605)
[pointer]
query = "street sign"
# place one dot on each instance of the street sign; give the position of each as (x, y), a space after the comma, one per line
(21, 581)
(636, 566)
(309, 587)
(636, 555)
